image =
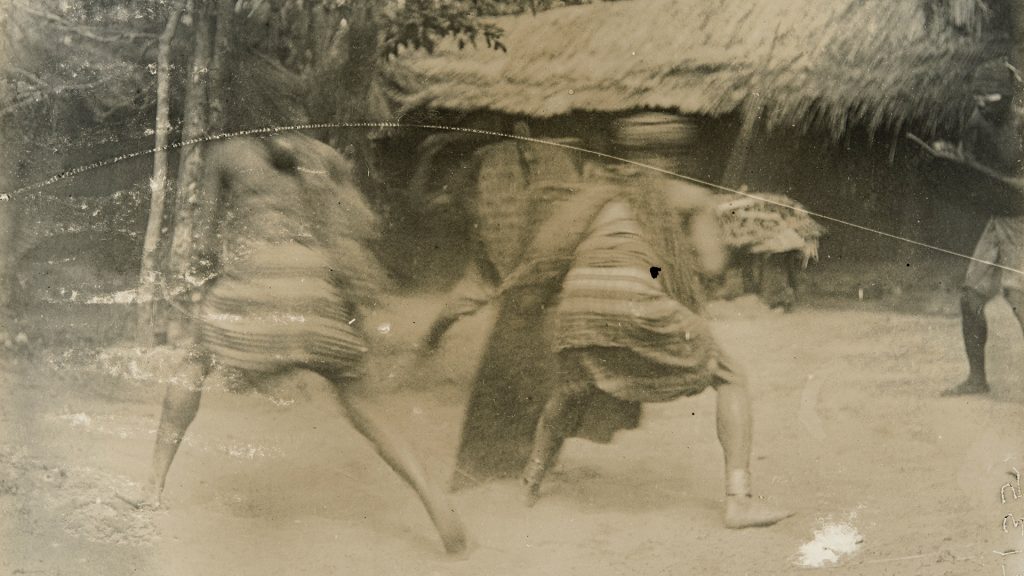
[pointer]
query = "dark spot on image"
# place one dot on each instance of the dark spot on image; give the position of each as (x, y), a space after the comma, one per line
(655, 271)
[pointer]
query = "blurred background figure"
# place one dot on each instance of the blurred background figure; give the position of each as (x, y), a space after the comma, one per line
(290, 275)
(992, 138)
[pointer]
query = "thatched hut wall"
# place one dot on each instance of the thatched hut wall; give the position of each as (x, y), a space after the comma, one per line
(818, 94)
(873, 180)
(835, 63)
(863, 183)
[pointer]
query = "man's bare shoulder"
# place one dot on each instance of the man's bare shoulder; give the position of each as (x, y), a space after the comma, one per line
(229, 148)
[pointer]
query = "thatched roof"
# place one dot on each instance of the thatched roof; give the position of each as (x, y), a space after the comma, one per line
(881, 62)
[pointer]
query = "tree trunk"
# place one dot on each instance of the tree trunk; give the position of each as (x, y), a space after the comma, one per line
(352, 107)
(220, 68)
(1017, 31)
(362, 60)
(191, 163)
(8, 231)
(158, 185)
(8, 220)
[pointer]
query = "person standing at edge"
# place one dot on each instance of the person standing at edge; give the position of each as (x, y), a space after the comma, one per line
(992, 138)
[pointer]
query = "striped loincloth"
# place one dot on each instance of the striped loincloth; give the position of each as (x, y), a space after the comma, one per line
(280, 308)
(638, 343)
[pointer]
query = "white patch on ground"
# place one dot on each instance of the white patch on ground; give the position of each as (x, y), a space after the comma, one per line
(80, 419)
(160, 365)
(830, 544)
(122, 297)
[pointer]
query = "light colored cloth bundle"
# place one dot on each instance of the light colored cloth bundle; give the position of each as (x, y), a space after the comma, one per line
(769, 223)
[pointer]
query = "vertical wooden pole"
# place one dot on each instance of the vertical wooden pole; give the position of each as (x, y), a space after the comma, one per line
(190, 166)
(737, 163)
(158, 184)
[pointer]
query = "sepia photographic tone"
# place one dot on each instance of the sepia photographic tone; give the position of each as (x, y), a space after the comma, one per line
(511, 287)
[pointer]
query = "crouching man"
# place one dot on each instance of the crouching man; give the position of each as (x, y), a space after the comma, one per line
(606, 305)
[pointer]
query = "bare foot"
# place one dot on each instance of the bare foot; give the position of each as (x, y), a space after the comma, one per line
(746, 512)
(532, 477)
(968, 387)
(531, 493)
(461, 480)
(452, 312)
(431, 343)
(141, 498)
(452, 531)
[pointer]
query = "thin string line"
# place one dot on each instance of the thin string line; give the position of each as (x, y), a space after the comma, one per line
(482, 132)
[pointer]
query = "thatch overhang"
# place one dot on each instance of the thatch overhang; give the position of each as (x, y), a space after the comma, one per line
(877, 63)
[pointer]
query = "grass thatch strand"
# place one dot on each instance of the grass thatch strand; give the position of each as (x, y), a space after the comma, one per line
(880, 62)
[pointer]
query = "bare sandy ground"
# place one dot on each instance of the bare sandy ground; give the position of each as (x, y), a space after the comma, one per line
(849, 430)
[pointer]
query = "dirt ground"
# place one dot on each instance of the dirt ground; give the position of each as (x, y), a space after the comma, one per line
(849, 430)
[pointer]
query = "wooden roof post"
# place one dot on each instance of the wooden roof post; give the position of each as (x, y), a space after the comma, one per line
(1017, 22)
(734, 168)
(753, 108)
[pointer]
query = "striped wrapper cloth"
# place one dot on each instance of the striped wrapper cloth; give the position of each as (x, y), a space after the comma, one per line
(281, 307)
(638, 343)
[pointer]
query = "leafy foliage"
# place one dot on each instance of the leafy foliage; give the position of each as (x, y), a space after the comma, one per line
(420, 23)
(97, 53)
(76, 54)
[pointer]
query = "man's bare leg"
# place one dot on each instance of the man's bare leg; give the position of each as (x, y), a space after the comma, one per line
(181, 403)
(1016, 299)
(560, 418)
(734, 433)
(975, 331)
(453, 310)
(397, 455)
(472, 293)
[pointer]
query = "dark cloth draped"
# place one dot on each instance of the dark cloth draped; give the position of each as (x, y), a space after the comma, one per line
(515, 378)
